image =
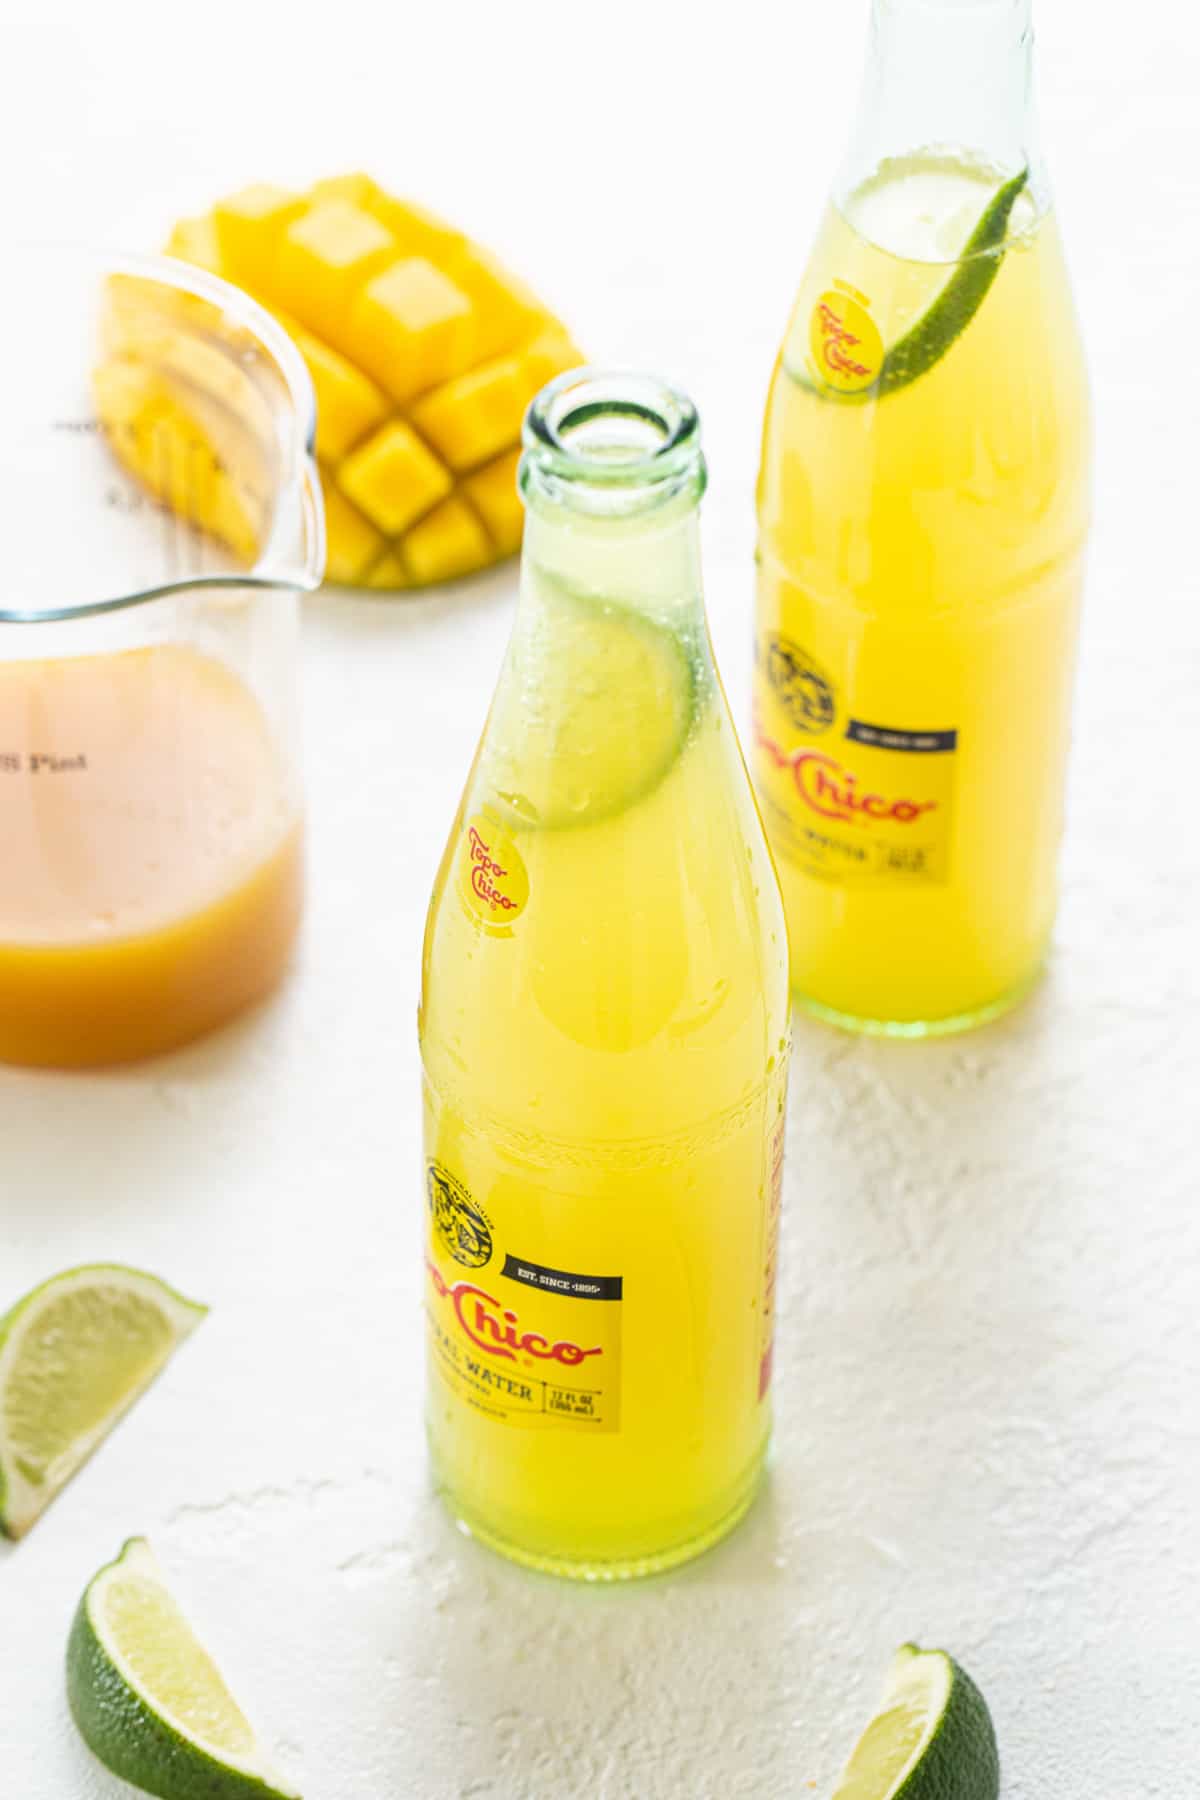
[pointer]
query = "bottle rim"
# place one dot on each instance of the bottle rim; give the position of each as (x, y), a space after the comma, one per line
(611, 440)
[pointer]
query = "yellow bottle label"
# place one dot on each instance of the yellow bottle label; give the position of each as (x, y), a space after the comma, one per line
(524, 1343)
(858, 801)
(844, 340)
(492, 877)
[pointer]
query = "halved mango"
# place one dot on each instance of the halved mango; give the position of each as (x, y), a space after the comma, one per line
(424, 353)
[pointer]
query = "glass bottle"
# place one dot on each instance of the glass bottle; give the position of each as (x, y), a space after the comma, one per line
(923, 507)
(604, 1031)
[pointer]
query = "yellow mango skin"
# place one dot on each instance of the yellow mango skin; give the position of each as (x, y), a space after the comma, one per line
(424, 353)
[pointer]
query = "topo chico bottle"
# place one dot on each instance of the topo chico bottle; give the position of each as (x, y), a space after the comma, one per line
(923, 505)
(604, 1034)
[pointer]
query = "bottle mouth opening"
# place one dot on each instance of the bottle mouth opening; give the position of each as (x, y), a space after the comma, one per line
(611, 432)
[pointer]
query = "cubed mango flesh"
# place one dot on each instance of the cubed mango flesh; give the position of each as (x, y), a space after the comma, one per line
(492, 491)
(424, 353)
(322, 261)
(248, 226)
(394, 478)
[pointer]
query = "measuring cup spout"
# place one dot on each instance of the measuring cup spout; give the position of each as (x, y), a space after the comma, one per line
(159, 439)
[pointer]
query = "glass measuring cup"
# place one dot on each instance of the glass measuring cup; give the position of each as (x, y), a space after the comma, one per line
(161, 515)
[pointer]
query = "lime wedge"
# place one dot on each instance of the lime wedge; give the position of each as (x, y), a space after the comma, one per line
(932, 1739)
(148, 1699)
(593, 709)
(948, 315)
(74, 1356)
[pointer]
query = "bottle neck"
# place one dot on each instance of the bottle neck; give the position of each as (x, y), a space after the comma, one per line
(955, 76)
(651, 565)
(612, 477)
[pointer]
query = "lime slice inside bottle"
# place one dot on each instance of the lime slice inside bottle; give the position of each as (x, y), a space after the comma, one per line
(932, 1738)
(946, 317)
(594, 708)
(148, 1699)
(74, 1356)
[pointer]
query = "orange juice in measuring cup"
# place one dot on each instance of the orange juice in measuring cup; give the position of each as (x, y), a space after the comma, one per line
(162, 515)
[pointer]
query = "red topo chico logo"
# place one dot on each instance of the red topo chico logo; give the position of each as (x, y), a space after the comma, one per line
(496, 1330)
(831, 791)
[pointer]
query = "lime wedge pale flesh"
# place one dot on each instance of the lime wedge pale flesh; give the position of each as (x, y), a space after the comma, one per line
(75, 1354)
(932, 1738)
(150, 1701)
(593, 709)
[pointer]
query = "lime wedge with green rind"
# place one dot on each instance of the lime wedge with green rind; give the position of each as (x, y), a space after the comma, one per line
(947, 316)
(75, 1354)
(148, 1699)
(594, 707)
(932, 1738)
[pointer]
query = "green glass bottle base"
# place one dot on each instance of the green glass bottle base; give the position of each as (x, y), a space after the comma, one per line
(596, 1569)
(920, 1028)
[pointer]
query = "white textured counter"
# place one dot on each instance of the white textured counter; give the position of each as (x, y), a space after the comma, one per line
(988, 1352)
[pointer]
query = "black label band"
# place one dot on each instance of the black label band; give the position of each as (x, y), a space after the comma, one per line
(882, 737)
(560, 1281)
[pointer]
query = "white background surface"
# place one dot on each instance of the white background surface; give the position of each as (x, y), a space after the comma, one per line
(988, 1380)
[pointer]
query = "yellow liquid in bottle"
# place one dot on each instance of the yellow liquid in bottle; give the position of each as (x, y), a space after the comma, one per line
(152, 854)
(919, 584)
(604, 1034)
